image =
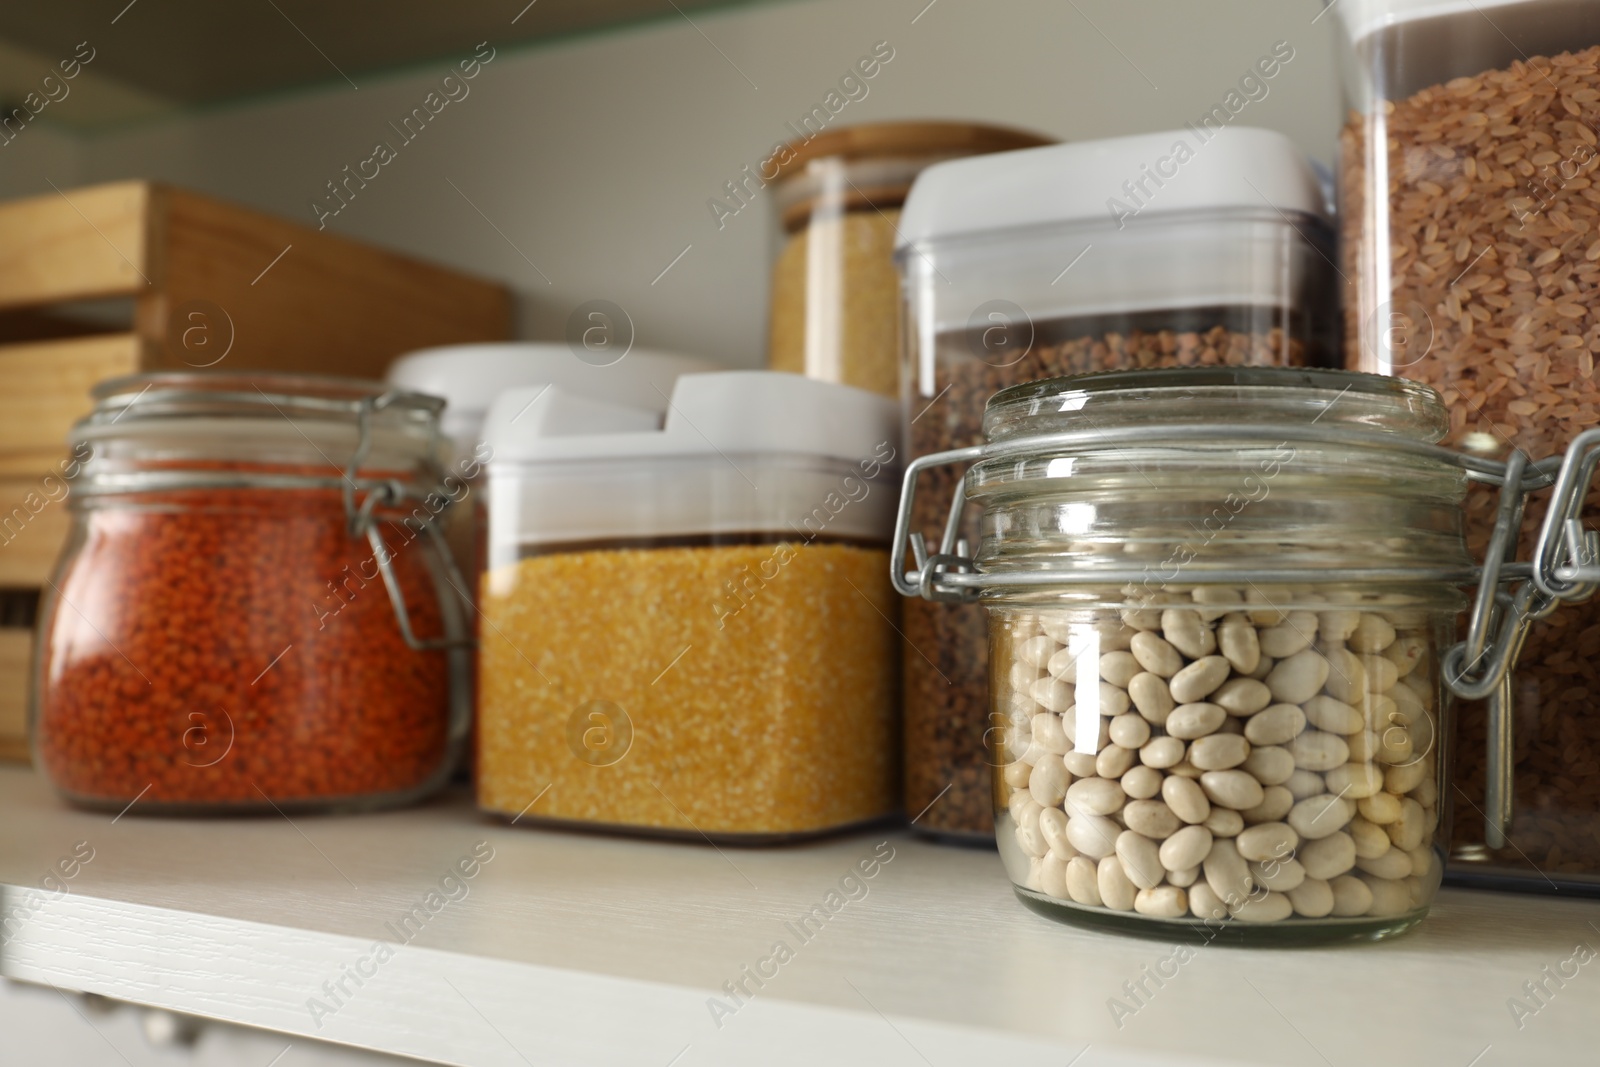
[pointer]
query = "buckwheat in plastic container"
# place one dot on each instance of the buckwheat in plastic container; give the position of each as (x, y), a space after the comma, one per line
(686, 622)
(1199, 247)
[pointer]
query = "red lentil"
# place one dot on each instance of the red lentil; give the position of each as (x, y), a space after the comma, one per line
(198, 656)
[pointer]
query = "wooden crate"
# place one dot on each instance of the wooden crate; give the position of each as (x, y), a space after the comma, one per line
(136, 276)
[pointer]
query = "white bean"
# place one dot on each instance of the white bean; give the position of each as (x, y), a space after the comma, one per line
(1275, 725)
(1234, 789)
(1186, 799)
(1063, 666)
(1114, 761)
(1328, 857)
(1242, 696)
(1185, 632)
(1292, 635)
(1408, 831)
(1162, 752)
(1372, 634)
(1080, 764)
(1276, 802)
(1083, 881)
(1298, 678)
(1199, 679)
(1351, 896)
(1016, 774)
(1405, 777)
(1271, 908)
(1156, 655)
(1312, 898)
(1389, 898)
(1053, 876)
(1315, 750)
(1163, 902)
(1141, 859)
(1048, 782)
(1392, 864)
(1224, 822)
(1380, 808)
(1238, 643)
(1185, 849)
(1205, 903)
(1129, 731)
(1334, 626)
(1048, 734)
(1381, 673)
(1141, 783)
(1116, 889)
(1406, 653)
(1270, 764)
(1213, 596)
(1335, 716)
(1152, 818)
(1053, 693)
(1371, 841)
(1278, 875)
(1093, 835)
(1118, 668)
(1347, 678)
(1226, 872)
(1151, 696)
(1189, 721)
(1095, 796)
(1267, 841)
(1218, 752)
(1302, 784)
(1319, 816)
(1355, 780)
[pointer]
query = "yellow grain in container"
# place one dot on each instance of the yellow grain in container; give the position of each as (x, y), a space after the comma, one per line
(689, 630)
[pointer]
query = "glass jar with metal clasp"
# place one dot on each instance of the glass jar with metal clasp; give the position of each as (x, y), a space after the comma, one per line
(1223, 609)
(255, 609)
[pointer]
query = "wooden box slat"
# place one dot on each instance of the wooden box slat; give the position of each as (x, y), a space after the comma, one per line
(78, 244)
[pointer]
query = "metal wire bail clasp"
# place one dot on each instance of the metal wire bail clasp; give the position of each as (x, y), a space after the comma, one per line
(1565, 568)
(929, 579)
(360, 517)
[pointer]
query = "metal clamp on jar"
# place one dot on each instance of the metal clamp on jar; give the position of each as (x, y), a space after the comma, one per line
(1222, 616)
(256, 608)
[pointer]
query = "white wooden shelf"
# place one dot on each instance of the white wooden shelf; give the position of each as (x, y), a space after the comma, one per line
(600, 950)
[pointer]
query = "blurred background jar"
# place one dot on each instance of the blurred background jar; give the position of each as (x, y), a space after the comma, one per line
(1017, 267)
(838, 196)
(1472, 261)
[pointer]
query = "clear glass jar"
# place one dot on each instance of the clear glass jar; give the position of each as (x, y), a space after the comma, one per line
(1014, 271)
(254, 609)
(1469, 249)
(838, 193)
(1218, 605)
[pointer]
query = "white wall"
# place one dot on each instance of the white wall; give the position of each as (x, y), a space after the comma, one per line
(596, 157)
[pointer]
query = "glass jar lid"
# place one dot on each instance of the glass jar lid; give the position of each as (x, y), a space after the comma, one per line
(174, 420)
(1219, 469)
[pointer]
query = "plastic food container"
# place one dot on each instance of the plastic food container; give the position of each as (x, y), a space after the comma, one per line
(470, 377)
(835, 305)
(1222, 615)
(1471, 252)
(254, 609)
(1194, 248)
(686, 624)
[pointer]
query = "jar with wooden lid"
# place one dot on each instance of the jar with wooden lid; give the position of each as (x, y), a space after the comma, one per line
(834, 288)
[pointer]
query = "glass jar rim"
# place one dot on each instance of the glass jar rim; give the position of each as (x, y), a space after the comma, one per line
(168, 394)
(1351, 400)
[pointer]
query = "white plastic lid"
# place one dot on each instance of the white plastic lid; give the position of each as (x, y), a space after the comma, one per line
(737, 452)
(1362, 17)
(750, 412)
(470, 377)
(1226, 168)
